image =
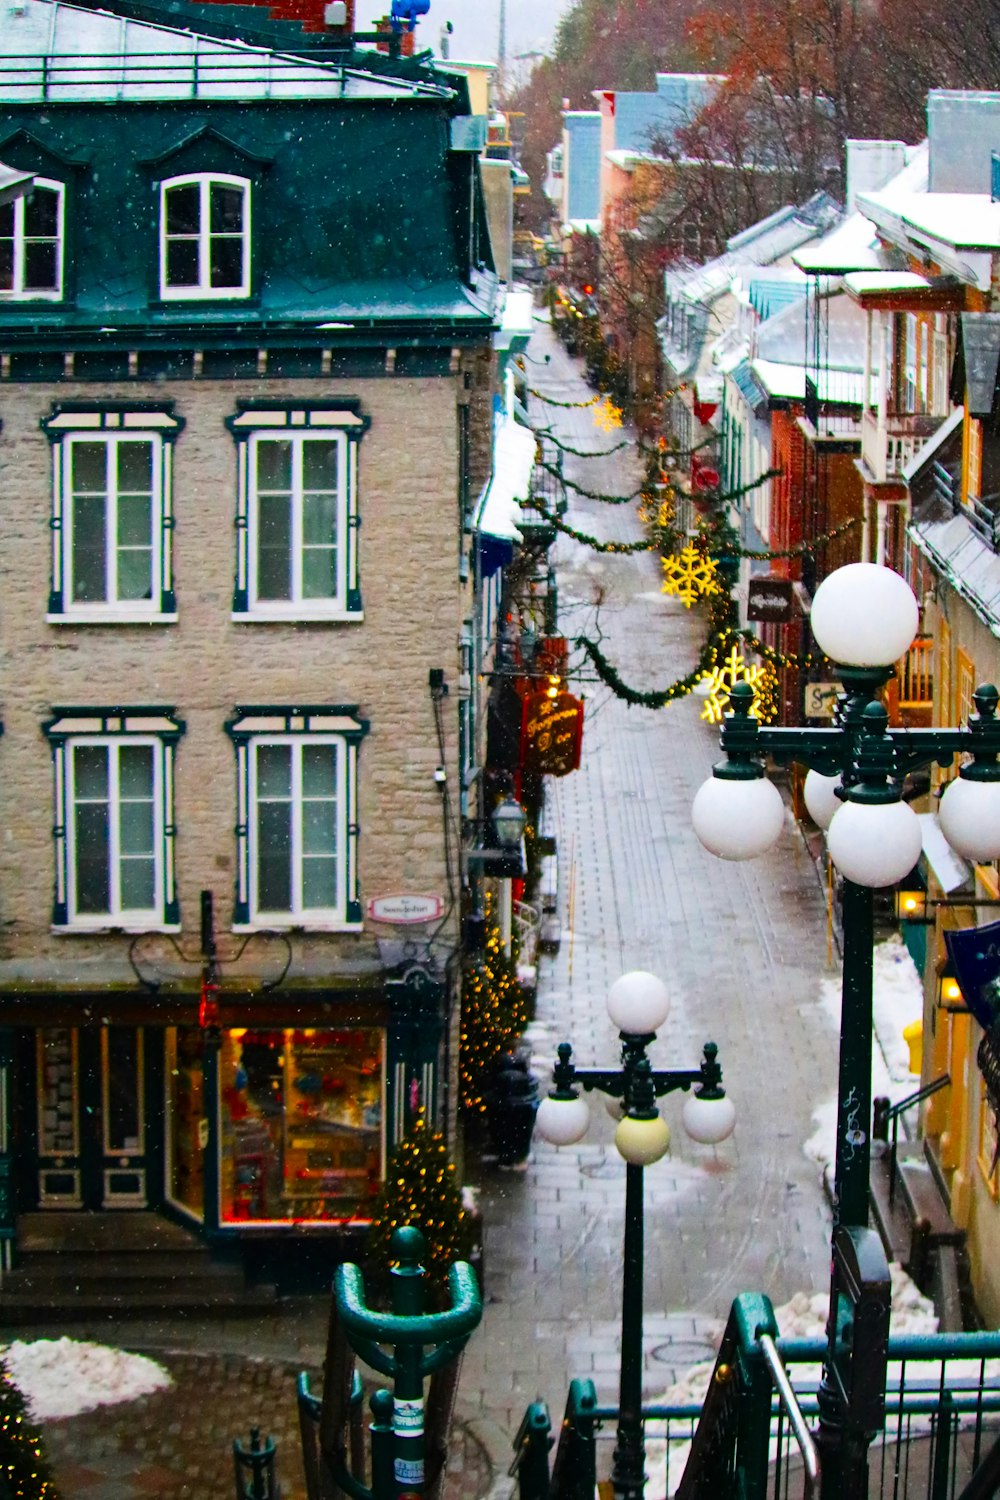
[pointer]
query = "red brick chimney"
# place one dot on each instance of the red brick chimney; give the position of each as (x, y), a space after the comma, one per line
(407, 39)
(311, 13)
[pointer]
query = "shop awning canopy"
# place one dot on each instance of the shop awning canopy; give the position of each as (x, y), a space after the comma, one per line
(513, 465)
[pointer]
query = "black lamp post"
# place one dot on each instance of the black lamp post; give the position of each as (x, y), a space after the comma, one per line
(638, 1004)
(864, 619)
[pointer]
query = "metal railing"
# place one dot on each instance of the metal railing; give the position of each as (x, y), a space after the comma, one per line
(887, 1122)
(916, 681)
(753, 1435)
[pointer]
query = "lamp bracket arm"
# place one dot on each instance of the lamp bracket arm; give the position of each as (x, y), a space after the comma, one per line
(682, 1078)
(602, 1079)
(916, 748)
(818, 749)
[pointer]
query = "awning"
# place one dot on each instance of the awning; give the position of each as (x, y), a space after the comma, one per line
(950, 870)
(513, 466)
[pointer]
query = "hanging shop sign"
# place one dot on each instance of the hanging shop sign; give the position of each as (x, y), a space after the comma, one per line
(821, 699)
(551, 654)
(551, 733)
(403, 909)
(769, 600)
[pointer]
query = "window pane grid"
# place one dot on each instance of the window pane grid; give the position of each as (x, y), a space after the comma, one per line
(298, 803)
(113, 550)
(204, 230)
(117, 829)
(31, 243)
(298, 490)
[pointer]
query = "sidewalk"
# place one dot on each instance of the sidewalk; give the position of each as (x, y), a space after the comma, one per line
(743, 947)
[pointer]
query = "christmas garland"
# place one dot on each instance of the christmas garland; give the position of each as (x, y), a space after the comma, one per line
(549, 435)
(804, 549)
(647, 544)
(593, 494)
(565, 405)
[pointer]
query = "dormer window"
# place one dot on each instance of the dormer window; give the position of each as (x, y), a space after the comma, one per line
(205, 236)
(31, 243)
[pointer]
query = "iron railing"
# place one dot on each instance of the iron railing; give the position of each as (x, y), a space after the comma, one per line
(751, 1439)
(887, 1122)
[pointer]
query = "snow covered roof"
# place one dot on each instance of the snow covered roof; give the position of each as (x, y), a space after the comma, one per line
(854, 245)
(13, 183)
(969, 221)
(865, 283)
(788, 383)
(54, 52)
(962, 556)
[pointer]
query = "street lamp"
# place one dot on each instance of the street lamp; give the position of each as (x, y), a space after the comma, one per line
(638, 1004)
(864, 618)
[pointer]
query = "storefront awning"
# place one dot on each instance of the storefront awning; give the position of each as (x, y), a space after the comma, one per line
(513, 465)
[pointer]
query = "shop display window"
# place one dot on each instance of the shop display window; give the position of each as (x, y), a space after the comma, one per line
(186, 1116)
(301, 1123)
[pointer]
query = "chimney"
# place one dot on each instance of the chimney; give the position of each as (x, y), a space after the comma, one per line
(327, 17)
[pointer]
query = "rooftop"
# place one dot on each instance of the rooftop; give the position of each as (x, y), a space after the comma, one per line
(55, 52)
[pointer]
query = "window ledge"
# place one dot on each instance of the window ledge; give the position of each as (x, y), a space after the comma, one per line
(112, 929)
(111, 616)
(297, 925)
(297, 616)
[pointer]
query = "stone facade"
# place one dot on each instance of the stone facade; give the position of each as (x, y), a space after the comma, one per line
(206, 663)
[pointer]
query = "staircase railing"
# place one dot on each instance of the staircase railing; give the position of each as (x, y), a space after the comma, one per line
(887, 1118)
(751, 1438)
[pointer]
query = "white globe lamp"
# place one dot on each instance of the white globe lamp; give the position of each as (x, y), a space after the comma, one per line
(970, 817)
(562, 1121)
(642, 1140)
(638, 1002)
(864, 616)
(708, 1118)
(738, 818)
(874, 844)
(820, 795)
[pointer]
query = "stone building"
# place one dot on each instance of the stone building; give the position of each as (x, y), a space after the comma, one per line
(246, 393)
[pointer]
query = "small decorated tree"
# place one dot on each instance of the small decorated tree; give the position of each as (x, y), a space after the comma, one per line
(494, 1016)
(420, 1189)
(24, 1469)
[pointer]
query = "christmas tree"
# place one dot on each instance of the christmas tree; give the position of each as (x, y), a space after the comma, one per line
(24, 1470)
(420, 1189)
(494, 1016)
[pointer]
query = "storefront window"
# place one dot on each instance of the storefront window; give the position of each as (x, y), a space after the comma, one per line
(185, 1114)
(301, 1123)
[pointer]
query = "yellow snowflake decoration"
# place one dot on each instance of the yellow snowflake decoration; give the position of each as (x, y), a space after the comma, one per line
(690, 575)
(735, 668)
(607, 416)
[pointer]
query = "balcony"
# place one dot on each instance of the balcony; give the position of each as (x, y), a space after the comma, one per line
(886, 448)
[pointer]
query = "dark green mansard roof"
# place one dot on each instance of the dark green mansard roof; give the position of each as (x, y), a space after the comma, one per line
(362, 214)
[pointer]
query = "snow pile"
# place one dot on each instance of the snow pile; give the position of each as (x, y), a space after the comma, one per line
(802, 1317)
(62, 1378)
(897, 1001)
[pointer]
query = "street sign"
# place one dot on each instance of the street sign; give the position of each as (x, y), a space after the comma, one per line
(403, 908)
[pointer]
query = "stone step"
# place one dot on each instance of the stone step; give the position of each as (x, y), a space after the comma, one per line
(124, 1302)
(129, 1265)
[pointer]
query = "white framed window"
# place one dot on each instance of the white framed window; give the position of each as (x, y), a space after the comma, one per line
(297, 831)
(297, 513)
(32, 238)
(205, 236)
(112, 514)
(114, 831)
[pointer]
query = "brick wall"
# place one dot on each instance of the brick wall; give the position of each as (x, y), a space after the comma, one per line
(206, 664)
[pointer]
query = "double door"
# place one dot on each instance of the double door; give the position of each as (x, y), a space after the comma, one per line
(92, 1143)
